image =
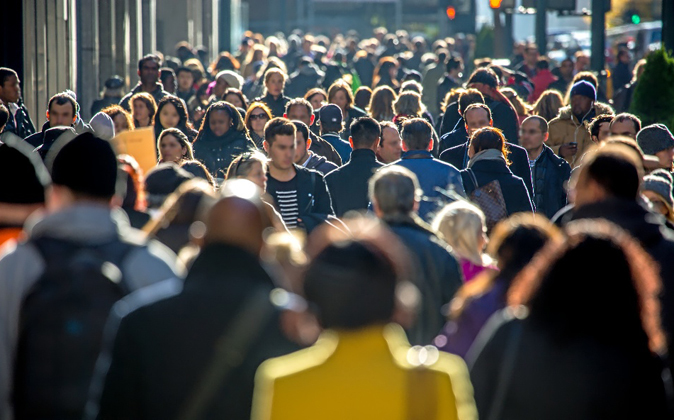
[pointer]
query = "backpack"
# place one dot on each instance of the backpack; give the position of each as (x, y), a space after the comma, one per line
(489, 198)
(61, 325)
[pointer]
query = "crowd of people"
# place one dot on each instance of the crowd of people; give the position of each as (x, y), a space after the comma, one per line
(339, 227)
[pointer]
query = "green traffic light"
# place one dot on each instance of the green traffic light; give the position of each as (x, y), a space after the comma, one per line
(636, 19)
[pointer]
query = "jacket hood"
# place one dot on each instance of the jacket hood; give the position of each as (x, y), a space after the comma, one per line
(599, 108)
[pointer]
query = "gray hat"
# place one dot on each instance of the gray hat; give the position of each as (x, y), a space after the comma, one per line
(655, 138)
(660, 185)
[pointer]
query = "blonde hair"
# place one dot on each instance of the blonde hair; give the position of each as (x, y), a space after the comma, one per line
(463, 225)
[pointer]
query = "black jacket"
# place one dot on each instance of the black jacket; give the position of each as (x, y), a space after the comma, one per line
(579, 378)
(514, 192)
(549, 176)
(216, 153)
(438, 276)
(313, 198)
(503, 115)
(276, 105)
(161, 340)
(21, 124)
(353, 114)
(320, 164)
(450, 118)
(650, 231)
(304, 79)
(37, 139)
(456, 137)
(445, 85)
(458, 156)
(348, 184)
(325, 149)
(158, 93)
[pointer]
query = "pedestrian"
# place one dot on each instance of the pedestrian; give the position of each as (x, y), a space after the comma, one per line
(564, 76)
(548, 104)
(300, 194)
(489, 162)
(19, 122)
(435, 177)
(317, 97)
(522, 108)
(625, 124)
(307, 76)
(174, 146)
(257, 116)
(513, 244)
(168, 79)
(273, 97)
(301, 110)
(540, 338)
(143, 109)
(172, 113)
(542, 80)
(185, 89)
(531, 58)
(161, 181)
(134, 203)
(362, 97)
(657, 140)
(341, 95)
(305, 157)
(355, 306)
(600, 128)
(386, 74)
(111, 95)
(451, 79)
(549, 172)
(331, 124)
(80, 228)
(193, 325)
(657, 189)
(224, 80)
(390, 147)
(235, 97)
(381, 104)
(454, 130)
(622, 73)
(61, 112)
(221, 138)
(121, 118)
(148, 71)
(348, 184)
(463, 226)
(569, 134)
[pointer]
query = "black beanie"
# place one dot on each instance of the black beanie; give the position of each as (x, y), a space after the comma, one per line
(162, 181)
(23, 173)
(86, 165)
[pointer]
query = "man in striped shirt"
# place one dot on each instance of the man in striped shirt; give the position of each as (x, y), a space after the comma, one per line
(300, 194)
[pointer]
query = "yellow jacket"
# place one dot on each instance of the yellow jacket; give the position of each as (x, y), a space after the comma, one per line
(566, 129)
(364, 374)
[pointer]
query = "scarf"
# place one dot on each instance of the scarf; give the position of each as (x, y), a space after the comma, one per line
(489, 154)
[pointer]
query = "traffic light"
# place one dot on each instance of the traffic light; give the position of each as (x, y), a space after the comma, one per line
(495, 4)
(632, 16)
(451, 12)
(636, 19)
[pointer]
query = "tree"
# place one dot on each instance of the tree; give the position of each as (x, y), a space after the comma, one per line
(653, 99)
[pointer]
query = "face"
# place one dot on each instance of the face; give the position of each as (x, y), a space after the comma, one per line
(219, 122)
(340, 99)
(299, 113)
(623, 128)
(169, 84)
(149, 72)
(258, 175)
(317, 101)
(10, 90)
(566, 69)
(476, 119)
(580, 105)
(604, 132)
(275, 85)
(168, 116)
(140, 111)
(170, 149)
(185, 80)
(220, 87)
(234, 100)
(666, 158)
(531, 135)
(282, 151)
(258, 118)
(390, 148)
(121, 124)
(582, 63)
(532, 55)
(61, 115)
(300, 148)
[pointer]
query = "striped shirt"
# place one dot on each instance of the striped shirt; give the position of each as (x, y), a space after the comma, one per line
(285, 195)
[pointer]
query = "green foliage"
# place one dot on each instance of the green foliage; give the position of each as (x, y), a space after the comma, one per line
(653, 99)
(484, 42)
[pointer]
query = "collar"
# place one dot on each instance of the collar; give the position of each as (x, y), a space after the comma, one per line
(417, 154)
(365, 154)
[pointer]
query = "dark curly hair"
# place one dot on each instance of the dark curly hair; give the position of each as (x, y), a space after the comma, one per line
(184, 124)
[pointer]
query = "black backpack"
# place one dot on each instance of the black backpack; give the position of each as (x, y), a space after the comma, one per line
(61, 326)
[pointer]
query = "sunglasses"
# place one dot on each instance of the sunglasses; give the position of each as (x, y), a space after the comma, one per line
(261, 116)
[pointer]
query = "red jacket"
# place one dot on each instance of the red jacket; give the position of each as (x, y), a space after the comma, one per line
(541, 81)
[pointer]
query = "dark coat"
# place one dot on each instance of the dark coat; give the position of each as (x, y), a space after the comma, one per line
(21, 124)
(216, 153)
(582, 379)
(549, 176)
(158, 93)
(325, 149)
(36, 140)
(650, 231)
(438, 276)
(503, 115)
(458, 156)
(162, 339)
(340, 145)
(304, 79)
(353, 114)
(514, 192)
(456, 137)
(348, 185)
(276, 105)
(320, 164)
(102, 103)
(445, 85)
(450, 118)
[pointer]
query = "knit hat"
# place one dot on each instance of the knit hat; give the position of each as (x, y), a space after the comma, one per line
(330, 113)
(162, 181)
(24, 172)
(115, 82)
(87, 165)
(232, 79)
(484, 76)
(660, 185)
(584, 88)
(103, 126)
(655, 138)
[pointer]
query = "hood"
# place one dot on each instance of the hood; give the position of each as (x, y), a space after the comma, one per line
(629, 215)
(599, 108)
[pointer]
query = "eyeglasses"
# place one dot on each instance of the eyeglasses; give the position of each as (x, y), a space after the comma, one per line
(260, 116)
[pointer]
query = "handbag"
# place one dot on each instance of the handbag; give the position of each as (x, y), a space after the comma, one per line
(489, 198)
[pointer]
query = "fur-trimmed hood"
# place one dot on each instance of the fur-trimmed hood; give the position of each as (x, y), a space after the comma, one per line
(599, 108)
